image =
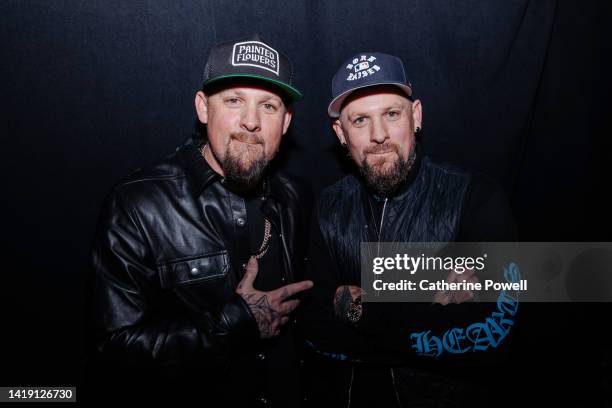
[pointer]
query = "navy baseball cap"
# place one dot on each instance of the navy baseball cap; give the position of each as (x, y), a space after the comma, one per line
(364, 70)
(251, 58)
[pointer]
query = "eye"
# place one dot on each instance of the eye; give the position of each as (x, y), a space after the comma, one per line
(232, 101)
(270, 107)
(393, 114)
(360, 120)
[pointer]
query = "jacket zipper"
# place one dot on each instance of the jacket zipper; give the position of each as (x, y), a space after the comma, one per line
(382, 220)
(351, 386)
(399, 403)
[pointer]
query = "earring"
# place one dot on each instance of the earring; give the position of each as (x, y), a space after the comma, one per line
(417, 130)
(343, 145)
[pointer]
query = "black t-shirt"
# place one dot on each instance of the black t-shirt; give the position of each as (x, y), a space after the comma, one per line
(271, 276)
(279, 354)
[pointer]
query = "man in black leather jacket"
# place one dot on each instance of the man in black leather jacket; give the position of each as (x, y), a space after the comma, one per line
(196, 257)
(365, 355)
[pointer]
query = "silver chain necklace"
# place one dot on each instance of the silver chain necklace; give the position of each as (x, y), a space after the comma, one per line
(266, 240)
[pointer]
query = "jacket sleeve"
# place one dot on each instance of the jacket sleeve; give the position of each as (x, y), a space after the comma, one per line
(130, 327)
(324, 333)
(486, 217)
(382, 330)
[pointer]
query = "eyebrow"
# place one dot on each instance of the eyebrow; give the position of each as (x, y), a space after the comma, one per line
(265, 98)
(394, 105)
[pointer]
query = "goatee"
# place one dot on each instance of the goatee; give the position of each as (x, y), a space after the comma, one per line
(385, 183)
(241, 176)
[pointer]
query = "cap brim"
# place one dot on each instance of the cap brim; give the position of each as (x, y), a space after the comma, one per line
(292, 92)
(334, 106)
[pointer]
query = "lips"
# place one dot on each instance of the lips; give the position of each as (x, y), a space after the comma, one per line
(382, 149)
(247, 142)
(247, 139)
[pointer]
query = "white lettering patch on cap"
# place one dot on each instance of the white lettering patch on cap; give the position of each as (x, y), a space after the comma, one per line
(255, 54)
(361, 67)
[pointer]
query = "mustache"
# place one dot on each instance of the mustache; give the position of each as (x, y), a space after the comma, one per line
(382, 148)
(246, 137)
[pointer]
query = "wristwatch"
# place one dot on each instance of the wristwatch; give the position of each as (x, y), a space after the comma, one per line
(353, 314)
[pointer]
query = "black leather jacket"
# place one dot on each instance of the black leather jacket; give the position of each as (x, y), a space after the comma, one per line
(168, 255)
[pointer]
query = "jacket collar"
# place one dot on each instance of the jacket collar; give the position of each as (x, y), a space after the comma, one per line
(275, 188)
(200, 175)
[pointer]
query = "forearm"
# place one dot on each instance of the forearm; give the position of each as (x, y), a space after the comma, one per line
(161, 340)
(476, 332)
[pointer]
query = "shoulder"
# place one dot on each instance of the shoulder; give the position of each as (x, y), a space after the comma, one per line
(340, 189)
(480, 183)
(338, 200)
(445, 168)
(290, 186)
(484, 189)
(294, 191)
(146, 183)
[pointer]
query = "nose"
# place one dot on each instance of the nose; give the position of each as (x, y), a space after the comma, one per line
(249, 120)
(378, 132)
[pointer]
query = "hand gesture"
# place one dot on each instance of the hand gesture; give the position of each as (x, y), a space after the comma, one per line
(271, 309)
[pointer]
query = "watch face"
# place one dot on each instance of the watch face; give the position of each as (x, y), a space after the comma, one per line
(353, 313)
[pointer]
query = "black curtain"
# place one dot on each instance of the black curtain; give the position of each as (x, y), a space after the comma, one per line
(92, 90)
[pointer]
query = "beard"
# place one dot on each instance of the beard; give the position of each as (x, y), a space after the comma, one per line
(381, 181)
(245, 165)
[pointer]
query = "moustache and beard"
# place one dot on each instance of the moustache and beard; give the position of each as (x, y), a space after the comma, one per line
(244, 168)
(385, 182)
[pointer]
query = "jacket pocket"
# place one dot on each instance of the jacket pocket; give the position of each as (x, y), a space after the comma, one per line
(189, 271)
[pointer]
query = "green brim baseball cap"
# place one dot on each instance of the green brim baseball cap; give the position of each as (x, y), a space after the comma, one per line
(253, 59)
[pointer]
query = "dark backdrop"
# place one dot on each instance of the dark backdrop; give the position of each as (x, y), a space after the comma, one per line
(93, 89)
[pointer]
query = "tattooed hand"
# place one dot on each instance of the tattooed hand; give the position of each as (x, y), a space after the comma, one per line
(347, 302)
(444, 297)
(271, 309)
